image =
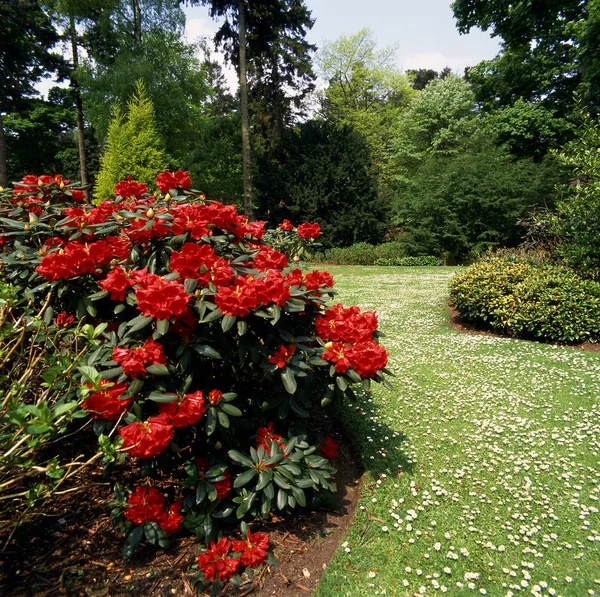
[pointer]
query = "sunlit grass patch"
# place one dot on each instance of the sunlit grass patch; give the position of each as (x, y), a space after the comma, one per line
(484, 460)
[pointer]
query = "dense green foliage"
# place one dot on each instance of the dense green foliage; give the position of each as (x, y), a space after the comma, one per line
(527, 300)
(322, 173)
(389, 253)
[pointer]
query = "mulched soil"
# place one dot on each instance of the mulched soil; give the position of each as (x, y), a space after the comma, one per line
(72, 548)
(457, 324)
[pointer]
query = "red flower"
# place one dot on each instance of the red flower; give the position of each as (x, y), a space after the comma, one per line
(253, 549)
(130, 188)
(283, 356)
(135, 360)
(73, 260)
(307, 230)
(286, 225)
(239, 299)
(116, 282)
(145, 504)
(255, 229)
(215, 397)
(336, 353)
(214, 562)
(191, 258)
(166, 181)
(106, 404)
(269, 259)
(316, 279)
(367, 358)
(185, 412)
(63, 320)
(329, 448)
(265, 436)
(160, 298)
(272, 288)
(346, 324)
(149, 438)
(171, 519)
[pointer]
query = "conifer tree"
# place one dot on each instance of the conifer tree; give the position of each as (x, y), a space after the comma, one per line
(133, 147)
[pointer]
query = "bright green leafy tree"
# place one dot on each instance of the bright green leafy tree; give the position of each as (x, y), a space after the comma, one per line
(133, 147)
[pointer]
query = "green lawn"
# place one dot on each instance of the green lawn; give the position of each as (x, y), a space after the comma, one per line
(484, 460)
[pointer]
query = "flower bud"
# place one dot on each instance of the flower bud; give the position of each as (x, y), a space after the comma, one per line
(26, 227)
(202, 197)
(296, 258)
(31, 219)
(47, 204)
(150, 214)
(1, 189)
(167, 198)
(218, 445)
(328, 345)
(61, 186)
(40, 182)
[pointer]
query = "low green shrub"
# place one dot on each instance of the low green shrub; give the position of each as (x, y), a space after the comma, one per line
(390, 253)
(426, 260)
(526, 300)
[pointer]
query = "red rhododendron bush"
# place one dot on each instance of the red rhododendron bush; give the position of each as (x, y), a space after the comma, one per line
(209, 353)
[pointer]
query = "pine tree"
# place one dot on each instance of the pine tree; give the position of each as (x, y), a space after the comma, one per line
(133, 147)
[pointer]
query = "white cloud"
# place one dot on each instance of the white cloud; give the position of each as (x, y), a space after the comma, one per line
(200, 27)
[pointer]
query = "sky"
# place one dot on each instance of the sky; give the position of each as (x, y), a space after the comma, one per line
(423, 31)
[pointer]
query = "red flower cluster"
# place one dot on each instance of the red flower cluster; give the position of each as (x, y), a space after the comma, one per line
(286, 225)
(63, 320)
(253, 549)
(160, 298)
(329, 448)
(147, 439)
(265, 436)
(307, 230)
(135, 360)
(311, 281)
(269, 258)
(248, 293)
(185, 412)
(147, 504)
(283, 356)
(351, 344)
(107, 403)
(346, 324)
(200, 262)
(166, 181)
(214, 562)
(130, 188)
(223, 486)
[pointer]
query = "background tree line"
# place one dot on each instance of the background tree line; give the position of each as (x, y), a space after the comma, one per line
(445, 164)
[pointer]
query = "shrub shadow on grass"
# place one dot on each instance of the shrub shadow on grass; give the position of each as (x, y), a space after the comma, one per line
(383, 449)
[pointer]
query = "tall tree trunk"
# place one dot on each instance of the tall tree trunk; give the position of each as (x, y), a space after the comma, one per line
(3, 169)
(137, 21)
(244, 114)
(83, 173)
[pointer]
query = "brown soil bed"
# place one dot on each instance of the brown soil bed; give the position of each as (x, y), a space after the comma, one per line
(72, 548)
(457, 324)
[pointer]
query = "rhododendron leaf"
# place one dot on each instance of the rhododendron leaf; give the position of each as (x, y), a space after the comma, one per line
(157, 369)
(89, 373)
(341, 382)
(214, 314)
(223, 419)
(227, 322)
(242, 327)
(61, 409)
(300, 364)
(290, 466)
(297, 409)
(279, 480)
(305, 483)
(386, 384)
(161, 397)
(353, 375)
(269, 491)
(132, 541)
(299, 495)
(201, 492)
(281, 499)
(139, 323)
(206, 351)
(190, 285)
(291, 501)
(135, 386)
(264, 479)
(276, 311)
(98, 295)
(178, 240)
(229, 396)
(325, 401)
(211, 421)
(48, 315)
(224, 513)
(289, 380)
(244, 478)
(295, 305)
(240, 458)
(155, 535)
(111, 373)
(171, 277)
(234, 411)
(162, 326)
(366, 384)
